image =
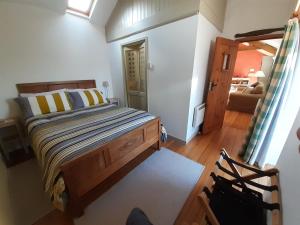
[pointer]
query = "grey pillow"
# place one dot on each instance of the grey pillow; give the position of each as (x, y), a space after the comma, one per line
(259, 89)
(24, 106)
(75, 100)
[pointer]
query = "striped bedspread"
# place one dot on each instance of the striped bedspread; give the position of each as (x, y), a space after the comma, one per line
(57, 138)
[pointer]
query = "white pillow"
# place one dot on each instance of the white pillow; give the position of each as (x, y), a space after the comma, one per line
(86, 97)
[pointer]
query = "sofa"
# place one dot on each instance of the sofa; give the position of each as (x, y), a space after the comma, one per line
(245, 99)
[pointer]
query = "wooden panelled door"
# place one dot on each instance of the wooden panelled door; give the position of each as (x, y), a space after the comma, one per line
(136, 75)
(219, 83)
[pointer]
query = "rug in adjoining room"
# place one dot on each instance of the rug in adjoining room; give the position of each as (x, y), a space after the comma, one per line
(159, 186)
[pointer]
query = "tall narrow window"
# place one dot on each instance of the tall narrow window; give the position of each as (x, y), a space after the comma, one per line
(80, 7)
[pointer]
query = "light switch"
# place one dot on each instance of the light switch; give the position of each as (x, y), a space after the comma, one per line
(150, 66)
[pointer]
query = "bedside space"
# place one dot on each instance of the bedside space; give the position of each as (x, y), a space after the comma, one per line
(13, 146)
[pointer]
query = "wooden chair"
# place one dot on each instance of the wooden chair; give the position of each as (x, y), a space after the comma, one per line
(227, 169)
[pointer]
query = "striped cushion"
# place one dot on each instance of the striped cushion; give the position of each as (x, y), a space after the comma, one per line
(86, 98)
(44, 104)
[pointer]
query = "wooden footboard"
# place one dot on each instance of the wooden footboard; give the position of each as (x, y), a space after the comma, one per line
(91, 174)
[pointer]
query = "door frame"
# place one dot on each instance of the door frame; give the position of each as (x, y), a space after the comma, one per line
(241, 40)
(259, 38)
(126, 44)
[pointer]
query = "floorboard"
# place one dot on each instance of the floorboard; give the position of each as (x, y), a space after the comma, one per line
(204, 149)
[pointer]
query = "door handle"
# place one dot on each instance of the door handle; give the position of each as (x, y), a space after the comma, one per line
(211, 85)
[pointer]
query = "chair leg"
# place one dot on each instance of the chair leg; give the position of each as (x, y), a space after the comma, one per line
(208, 212)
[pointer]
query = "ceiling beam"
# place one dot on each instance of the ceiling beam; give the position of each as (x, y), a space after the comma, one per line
(258, 45)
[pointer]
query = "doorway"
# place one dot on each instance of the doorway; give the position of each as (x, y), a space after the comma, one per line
(251, 74)
(241, 93)
(135, 74)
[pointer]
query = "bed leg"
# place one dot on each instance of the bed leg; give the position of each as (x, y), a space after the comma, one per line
(157, 145)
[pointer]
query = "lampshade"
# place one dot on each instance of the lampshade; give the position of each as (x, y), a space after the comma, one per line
(105, 84)
(251, 72)
(260, 74)
(256, 74)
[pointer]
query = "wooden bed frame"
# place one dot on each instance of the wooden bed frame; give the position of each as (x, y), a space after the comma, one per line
(89, 175)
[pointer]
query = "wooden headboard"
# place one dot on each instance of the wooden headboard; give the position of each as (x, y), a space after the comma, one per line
(51, 86)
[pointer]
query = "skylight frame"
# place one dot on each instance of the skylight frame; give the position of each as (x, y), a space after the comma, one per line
(86, 14)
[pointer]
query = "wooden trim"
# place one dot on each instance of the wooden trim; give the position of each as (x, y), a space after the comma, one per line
(259, 32)
(115, 177)
(276, 198)
(296, 14)
(209, 213)
(130, 44)
(50, 86)
(256, 176)
(176, 139)
(260, 38)
(86, 177)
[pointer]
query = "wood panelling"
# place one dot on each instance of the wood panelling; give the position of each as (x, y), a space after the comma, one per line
(51, 86)
(133, 16)
(152, 132)
(92, 165)
(124, 145)
(90, 171)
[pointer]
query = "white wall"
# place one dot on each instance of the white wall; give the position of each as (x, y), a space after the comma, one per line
(247, 15)
(206, 36)
(41, 45)
(214, 11)
(171, 51)
(289, 167)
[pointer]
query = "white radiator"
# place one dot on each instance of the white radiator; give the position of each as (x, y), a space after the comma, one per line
(198, 115)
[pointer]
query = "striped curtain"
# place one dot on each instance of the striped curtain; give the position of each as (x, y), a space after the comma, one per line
(262, 126)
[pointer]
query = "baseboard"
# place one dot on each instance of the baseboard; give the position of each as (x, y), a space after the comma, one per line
(177, 139)
(184, 142)
(192, 136)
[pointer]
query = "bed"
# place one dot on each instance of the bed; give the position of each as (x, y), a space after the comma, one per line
(93, 168)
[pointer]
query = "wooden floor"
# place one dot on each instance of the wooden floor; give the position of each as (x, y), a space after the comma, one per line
(204, 149)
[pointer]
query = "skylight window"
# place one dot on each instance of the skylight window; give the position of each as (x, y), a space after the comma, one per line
(80, 7)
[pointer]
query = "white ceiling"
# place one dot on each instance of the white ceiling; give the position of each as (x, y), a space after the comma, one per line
(101, 14)
(102, 11)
